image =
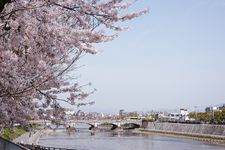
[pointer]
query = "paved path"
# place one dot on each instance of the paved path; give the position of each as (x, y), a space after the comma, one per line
(29, 137)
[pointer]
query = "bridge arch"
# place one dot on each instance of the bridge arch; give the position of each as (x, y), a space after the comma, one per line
(92, 125)
(130, 126)
(114, 126)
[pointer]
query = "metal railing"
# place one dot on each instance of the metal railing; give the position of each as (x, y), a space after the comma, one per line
(8, 145)
(38, 147)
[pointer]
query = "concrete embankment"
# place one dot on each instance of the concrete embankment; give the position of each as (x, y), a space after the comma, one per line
(31, 137)
(205, 132)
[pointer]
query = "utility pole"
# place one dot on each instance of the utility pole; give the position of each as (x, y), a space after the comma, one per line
(213, 116)
(195, 112)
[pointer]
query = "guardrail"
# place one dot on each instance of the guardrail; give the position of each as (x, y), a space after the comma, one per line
(38, 147)
(8, 145)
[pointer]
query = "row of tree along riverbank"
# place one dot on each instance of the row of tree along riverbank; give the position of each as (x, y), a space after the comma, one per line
(205, 132)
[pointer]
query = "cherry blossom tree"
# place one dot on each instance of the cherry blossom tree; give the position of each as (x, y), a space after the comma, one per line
(40, 43)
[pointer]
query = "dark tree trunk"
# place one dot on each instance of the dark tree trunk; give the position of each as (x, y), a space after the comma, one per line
(2, 4)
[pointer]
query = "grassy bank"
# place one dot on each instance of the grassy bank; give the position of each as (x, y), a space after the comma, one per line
(10, 133)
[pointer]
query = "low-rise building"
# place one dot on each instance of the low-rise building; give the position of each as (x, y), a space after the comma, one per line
(181, 116)
(210, 109)
(184, 114)
(174, 116)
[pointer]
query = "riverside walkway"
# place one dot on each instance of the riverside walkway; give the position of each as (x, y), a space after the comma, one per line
(29, 141)
(8, 145)
(29, 137)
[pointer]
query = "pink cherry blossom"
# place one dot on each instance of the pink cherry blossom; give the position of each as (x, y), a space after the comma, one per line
(40, 43)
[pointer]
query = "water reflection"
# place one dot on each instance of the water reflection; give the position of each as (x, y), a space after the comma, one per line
(83, 139)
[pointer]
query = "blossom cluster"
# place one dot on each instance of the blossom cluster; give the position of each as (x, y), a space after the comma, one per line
(40, 41)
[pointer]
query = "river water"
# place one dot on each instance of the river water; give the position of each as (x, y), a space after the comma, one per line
(84, 140)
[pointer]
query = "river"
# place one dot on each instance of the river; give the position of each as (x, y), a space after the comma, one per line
(84, 140)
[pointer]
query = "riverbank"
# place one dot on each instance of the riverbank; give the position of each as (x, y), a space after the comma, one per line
(211, 139)
(32, 137)
(12, 133)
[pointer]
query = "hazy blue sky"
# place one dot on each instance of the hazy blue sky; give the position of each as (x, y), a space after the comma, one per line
(170, 58)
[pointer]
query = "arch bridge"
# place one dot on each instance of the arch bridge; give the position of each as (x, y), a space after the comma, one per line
(124, 124)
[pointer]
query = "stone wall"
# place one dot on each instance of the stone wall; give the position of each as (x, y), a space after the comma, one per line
(189, 128)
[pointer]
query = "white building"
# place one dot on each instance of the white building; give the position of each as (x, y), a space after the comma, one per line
(174, 116)
(181, 116)
(184, 114)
